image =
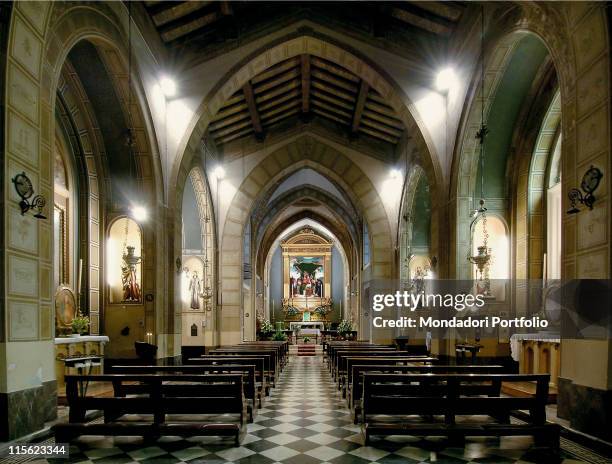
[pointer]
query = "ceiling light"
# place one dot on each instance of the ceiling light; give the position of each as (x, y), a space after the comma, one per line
(139, 213)
(219, 172)
(446, 79)
(168, 86)
(395, 174)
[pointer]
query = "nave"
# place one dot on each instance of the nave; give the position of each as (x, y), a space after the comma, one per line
(306, 421)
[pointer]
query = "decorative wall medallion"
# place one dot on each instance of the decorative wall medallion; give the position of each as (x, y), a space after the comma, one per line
(23, 321)
(26, 47)
(23, 276)
(23, 139)
(24, 94)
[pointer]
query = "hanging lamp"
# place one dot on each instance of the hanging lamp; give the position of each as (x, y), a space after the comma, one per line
(482, 259)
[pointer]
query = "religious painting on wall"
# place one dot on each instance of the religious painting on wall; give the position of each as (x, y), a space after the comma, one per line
(65, 310)
(306, 276)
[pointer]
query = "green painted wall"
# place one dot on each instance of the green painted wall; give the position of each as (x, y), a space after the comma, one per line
(509, 98)
(421, 214)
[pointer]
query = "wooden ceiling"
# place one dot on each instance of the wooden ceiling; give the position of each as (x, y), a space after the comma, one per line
(206, 22)
(306, 86)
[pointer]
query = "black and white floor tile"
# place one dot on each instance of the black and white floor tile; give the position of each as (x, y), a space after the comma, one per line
(305, 421)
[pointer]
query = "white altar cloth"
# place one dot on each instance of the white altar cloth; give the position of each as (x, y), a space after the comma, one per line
(517, 339)
(307, 328)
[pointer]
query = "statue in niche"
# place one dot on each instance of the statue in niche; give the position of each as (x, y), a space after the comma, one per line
(195, 288)
(194, 330)
(131, 288)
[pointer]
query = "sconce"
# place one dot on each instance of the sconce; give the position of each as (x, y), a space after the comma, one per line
(23, 186)
(590, 182)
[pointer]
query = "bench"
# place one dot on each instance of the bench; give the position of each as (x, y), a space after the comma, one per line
(260, 363)
(453, 396)
(358, 367)
(335, 351)
(273, 364)
(155, 396)
(393, 359)
(251, 392)
(340, 360)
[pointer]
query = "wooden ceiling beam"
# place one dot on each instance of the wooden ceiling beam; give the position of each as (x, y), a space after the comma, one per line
(334, 91)
(249, 96)
(279, 109)
(305, 65)
(378, 135)
(332, 109)
(332, 99)
(230, 110)
(277, 101)
(422, 20)
(187, 24)
(279, 90)
(381, 127)
(233, 136)
(395, 123)
(284, 115)
(230, 129)
(278, 80)
(275, 70)
(364, 89)
(333, 69)
(328, 115)
(332, 79)
(221, 123)
(447, 10)
(167, 12)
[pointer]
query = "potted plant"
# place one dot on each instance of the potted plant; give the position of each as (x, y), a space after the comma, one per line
(279, 336)
(80, 325)
(345, 328)
(266, 328)
(306, 340)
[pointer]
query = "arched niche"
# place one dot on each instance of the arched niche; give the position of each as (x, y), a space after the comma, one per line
(124, 262)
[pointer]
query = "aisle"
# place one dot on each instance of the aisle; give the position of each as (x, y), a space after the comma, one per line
(305, 421)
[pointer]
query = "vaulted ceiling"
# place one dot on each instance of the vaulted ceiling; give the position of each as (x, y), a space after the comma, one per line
(306, 87)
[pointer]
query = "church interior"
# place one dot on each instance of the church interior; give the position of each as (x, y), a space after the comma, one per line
(203, 200)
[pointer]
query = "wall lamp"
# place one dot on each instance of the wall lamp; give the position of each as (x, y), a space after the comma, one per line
(590, 182)
(23, 186)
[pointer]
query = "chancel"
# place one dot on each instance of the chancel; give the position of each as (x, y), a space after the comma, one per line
(306, 232)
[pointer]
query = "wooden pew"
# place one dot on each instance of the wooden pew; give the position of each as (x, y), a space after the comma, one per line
(261, 363)
(251, 392)
(392, 359)
(340, 363)
(273, 366)
(359, 367)
(450, 395)
(333, 354)
(158, 395)
(282, 349)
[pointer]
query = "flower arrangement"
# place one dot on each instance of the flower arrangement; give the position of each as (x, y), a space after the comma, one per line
(266, 326)
(80, 324)
(292, 311)
(279, 336)
(345, 327)
(306, 340)
(321, 310)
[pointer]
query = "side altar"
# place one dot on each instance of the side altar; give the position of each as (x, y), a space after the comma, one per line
(306, 276)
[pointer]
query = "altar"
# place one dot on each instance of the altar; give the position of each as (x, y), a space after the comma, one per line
(307, 327)
(537, 353)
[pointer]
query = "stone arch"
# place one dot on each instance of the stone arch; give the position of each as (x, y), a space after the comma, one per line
(304, 152)
(282, 49)
(79, 122)
(287, 198)
(102, 25)
(322, 225)
(404, 230)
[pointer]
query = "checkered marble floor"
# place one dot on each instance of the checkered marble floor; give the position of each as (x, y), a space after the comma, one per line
(306, 421)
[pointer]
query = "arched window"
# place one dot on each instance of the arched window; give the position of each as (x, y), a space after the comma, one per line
(124, 262)
(366, 246)
(553, 215)
(64, 217)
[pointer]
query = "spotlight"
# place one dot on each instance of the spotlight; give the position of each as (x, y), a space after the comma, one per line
(446, 79)
(168, 86)
(395, 174)
(139, 213)
(219, 172)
